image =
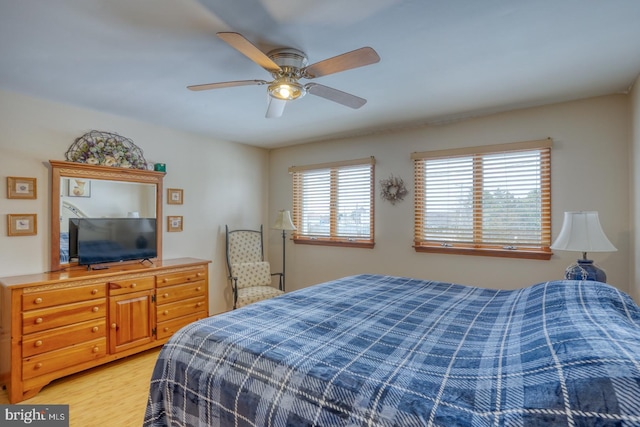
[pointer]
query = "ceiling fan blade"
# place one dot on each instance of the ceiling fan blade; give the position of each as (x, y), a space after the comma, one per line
(244, 46)
(346, 61)
(220, 85)
(275, 108)
(335, 95)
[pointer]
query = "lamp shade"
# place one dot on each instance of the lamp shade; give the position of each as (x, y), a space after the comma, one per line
(283, 222)
(581, 232)
(145, 225)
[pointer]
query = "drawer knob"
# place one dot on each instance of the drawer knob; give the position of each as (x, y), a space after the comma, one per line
(200, 274)
(39, 320)
(165, 295)
(96, 349)
(38, 301)
(38, 366)
(114, 326)
(133, 285)
(94, 291)
(95, 309)
(165, 280)
(38, 343)
(166, 329)
(199, 304)
(199, 288)
(95, 329)
(166, 312)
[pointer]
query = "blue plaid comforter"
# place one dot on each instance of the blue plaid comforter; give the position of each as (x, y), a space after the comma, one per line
(373, 350)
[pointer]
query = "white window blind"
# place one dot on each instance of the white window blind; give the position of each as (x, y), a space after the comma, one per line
(492, 200)
(333, 203)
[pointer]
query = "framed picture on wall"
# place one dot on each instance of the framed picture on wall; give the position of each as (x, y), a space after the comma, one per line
(79, 187)
(174, 196)
(22, 224)
(21, 188)
(174, 223)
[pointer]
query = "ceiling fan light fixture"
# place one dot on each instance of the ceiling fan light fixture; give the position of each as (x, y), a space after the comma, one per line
(287, 66)
(286, 89)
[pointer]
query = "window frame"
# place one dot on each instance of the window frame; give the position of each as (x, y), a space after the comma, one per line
(479, 247)
(333, 239)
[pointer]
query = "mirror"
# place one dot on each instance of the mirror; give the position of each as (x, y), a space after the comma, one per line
(81, 190)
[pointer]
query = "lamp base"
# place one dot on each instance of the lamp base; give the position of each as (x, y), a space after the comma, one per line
(585, 269)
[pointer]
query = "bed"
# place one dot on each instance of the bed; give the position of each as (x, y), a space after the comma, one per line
(67, 211)
(371, 350)
(64, 247)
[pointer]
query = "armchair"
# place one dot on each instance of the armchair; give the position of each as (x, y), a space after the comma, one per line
(250, 275)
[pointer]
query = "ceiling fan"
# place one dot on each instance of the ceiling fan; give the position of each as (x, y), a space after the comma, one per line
(288, 66)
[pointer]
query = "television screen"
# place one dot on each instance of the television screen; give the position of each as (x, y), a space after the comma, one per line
(102, 240)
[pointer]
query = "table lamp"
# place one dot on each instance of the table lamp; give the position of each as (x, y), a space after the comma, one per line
(581, 232)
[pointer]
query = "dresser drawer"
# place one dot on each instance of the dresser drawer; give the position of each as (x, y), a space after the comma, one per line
(42, 299)
(53, 317)
(180, 308)
(63, 358)
(180, 292)
(120, 287)
(170, 327)
(63, 336)
(183, 277)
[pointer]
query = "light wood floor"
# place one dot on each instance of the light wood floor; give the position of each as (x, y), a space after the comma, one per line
(114, 394)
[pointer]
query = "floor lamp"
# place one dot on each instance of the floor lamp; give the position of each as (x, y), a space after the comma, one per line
(284, 223)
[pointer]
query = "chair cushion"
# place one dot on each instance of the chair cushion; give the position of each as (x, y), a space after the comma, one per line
(251, 274)
(244, 246)
(253, 294)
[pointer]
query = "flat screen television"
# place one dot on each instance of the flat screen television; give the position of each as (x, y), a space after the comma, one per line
(103, 240)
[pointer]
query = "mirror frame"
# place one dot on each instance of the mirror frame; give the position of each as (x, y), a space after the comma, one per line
(61, 169)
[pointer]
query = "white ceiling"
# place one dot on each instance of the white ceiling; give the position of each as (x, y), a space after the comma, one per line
(441, 60)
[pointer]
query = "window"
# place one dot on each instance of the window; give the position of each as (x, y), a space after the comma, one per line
(492, 200)
(333, 203)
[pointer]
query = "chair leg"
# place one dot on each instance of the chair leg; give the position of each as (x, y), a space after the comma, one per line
(234, 284)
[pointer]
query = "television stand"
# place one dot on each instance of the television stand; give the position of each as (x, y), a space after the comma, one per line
(59, 323)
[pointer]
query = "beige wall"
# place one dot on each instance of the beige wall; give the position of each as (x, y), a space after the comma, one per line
(243, 186)
(224, 183)
(634, 224)
(590, 171)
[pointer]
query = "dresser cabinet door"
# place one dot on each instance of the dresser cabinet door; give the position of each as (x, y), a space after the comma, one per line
(131, 320)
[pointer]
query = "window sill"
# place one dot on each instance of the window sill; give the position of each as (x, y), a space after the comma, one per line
(342, 243)
(500, 253)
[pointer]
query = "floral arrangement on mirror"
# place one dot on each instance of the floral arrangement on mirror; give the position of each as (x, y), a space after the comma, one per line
(106, 149)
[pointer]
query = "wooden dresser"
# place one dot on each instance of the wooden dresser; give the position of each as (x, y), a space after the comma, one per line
(56, 324)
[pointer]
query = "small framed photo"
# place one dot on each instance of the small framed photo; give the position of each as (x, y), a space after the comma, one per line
(174, 196)
(174, 223)
(22, 224)
(21, 188)
(79, 187)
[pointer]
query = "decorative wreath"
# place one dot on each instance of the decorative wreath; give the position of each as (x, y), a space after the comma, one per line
(392, 189)
(107, 149)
